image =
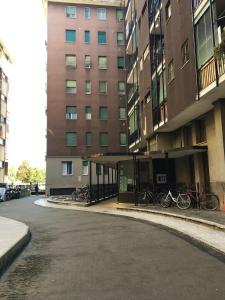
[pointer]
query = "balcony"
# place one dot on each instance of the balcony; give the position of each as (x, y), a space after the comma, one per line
(130, 25)
(155, 5)
(196, 4)
(210, 71)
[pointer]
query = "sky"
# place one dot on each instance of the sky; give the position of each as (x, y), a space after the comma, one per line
(23, 31)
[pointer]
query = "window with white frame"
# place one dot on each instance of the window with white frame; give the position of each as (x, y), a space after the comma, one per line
(88, 112)
(71, 11)
(85, 167)
(71, 113)
(87, 12)
(101, 13)
(67, 168)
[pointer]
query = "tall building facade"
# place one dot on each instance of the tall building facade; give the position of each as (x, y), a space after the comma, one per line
(5, 63)
(176, 90)
(86, 89)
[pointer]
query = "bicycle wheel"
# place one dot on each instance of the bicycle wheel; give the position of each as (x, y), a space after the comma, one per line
(183, 201)
(211, 202)
(165, 201)
(73, 195)
(141, 197)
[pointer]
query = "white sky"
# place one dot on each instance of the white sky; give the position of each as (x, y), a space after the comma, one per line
(23, 31)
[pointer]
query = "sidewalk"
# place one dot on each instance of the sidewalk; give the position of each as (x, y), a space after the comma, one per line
(14, 236)
(206, 227)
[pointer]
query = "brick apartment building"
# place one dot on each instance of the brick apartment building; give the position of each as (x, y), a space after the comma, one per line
(5, 64)
(176, 91)
(86, 106)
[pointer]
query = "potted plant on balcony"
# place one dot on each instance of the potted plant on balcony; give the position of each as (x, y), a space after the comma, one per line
(219, 50)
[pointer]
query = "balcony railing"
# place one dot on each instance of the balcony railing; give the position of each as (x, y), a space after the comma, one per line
(154, 7)
(196, 4)
(208, 72)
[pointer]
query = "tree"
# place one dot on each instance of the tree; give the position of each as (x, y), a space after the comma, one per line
(24, 172)
(12, 174)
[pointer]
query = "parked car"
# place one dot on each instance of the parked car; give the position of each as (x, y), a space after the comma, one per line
(2, 194)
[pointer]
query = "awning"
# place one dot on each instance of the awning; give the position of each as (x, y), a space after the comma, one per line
(114, 158)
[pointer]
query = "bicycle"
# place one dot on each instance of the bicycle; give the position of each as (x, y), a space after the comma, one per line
(148, 197)
(183, 201)
(207, 201)
(81, 194)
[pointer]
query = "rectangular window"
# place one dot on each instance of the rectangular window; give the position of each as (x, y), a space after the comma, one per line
(71, 86)
(101, 13)
(204, 39)
(71, 139)
(71, 61)
(87, 12)
(102, 62)
(85, 167)
(121, 87)
(67, 168)
(120, 38)
(87, 61)
(98, 169)
(168, 10)
(88, 139)
(103, 138)
(88, 87)
(122, 113)
(119, 14)
(103, 113)
(120, 62)
(88, 112)
(185, 53)
(87, 37)
(70, 36)
(71, 113)
(71, 11)
(101, 37)
(102, 87)
(123, 139)
(170, 71)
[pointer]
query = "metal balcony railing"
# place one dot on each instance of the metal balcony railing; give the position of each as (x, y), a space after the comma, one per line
(155, 4)
(130, 26)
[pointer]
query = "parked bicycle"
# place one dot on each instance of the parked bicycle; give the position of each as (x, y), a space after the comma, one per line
(182, 200)
(202, 200)
(81, 194)
(149, 197)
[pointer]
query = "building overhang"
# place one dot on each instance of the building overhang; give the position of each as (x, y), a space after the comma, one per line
(114, 3)
(177, 152)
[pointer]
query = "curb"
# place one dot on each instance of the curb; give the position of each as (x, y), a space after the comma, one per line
(14, 251)
(212, 225)
(68, 203)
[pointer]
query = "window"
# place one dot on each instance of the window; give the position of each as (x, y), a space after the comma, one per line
(85, 167)
(88, 87)
(102, 87)
(71, 86)
(122, 113)
(87, 12)
(102, 62)
(204, 39)
(102, 37)
(87, 37)
(87, 61)
(88, 112)
(185, 53)
(168, 10)
(71, 61)
(71, 11)
(121, 87)
(120, 62)
(103, 139)
(98, 169)
(170, 71)
(119, 14)
(123, 139)
(120, 38)
(70, 36)
(71, 139)
(101, 13)
(88, 139)
(71, 113)
(103, 113)
(67, 168)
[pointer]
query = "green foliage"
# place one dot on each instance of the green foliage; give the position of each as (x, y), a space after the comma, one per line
(12, 174)
(28, 174)
(219, 51)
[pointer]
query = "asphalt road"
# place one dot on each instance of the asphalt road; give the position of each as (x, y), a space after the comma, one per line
(79, 255)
